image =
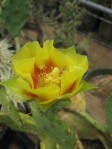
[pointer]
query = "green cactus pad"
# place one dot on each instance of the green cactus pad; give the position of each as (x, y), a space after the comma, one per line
(53, 127)
(14, 14)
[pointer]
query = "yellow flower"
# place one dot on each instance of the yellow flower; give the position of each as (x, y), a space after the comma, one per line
(46, 73)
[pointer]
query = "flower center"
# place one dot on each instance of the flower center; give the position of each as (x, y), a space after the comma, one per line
(52, 77)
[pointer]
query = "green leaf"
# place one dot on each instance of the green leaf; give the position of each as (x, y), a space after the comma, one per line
(108, 113)
(55, 129)
(9, 108)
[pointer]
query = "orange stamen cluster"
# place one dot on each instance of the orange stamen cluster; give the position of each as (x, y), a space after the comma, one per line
(45, 77)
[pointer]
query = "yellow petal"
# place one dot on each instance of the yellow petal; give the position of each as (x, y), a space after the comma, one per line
(23, 84)
(68, 81)
(44, 55)
(29, 50)
(49, 55)
(48, 93)
(76, 88)
(42, 58)
(58, 58)
(22, 67)
(76, 62)
(48, 45)
(68, 50)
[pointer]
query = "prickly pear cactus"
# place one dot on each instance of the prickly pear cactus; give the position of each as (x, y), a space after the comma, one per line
(52, 127)
(14, 14)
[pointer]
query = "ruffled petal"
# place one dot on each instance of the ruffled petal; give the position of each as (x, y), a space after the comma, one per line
(23, 84)
(29, 50)
(68, 82)
(42, 59)
(68, 50)
(58, 58)
(21, 67)
(50, 57)
(76, 62)
(48, 45)
(47, 93)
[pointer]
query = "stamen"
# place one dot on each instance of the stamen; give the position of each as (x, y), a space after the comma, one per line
(52, 77)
